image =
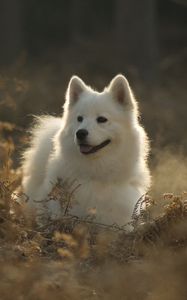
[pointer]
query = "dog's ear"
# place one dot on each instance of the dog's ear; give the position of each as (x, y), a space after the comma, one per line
(75, 88)
(121, 91)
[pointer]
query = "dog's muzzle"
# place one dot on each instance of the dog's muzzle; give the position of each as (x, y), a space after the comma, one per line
(85, 148)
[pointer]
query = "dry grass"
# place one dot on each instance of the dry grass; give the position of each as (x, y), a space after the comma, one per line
(75, 258)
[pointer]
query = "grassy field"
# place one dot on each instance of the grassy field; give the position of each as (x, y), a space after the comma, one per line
(76, 258)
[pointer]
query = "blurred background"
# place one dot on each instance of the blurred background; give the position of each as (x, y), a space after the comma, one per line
(43, 43)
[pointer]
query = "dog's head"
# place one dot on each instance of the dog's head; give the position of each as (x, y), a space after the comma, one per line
(99, 120)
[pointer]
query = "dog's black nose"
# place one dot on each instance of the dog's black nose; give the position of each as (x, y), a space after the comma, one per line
(81, 134)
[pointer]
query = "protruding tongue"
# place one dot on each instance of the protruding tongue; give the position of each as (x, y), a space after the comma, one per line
(85, 148)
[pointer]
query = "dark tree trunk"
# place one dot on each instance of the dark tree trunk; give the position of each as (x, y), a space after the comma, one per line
(10, 30)
(76, 19)
(136, 35)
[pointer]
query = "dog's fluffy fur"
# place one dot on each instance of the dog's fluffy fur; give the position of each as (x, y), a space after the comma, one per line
(110, 180)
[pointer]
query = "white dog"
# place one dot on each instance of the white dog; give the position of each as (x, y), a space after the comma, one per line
(100, 144)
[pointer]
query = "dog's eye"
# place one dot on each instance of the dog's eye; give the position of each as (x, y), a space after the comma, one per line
(102, 119)
(79, 118)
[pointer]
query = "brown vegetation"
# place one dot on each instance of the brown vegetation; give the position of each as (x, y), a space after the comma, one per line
(75, 258)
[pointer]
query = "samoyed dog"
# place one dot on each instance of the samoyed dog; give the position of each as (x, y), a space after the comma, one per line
(99, 144)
